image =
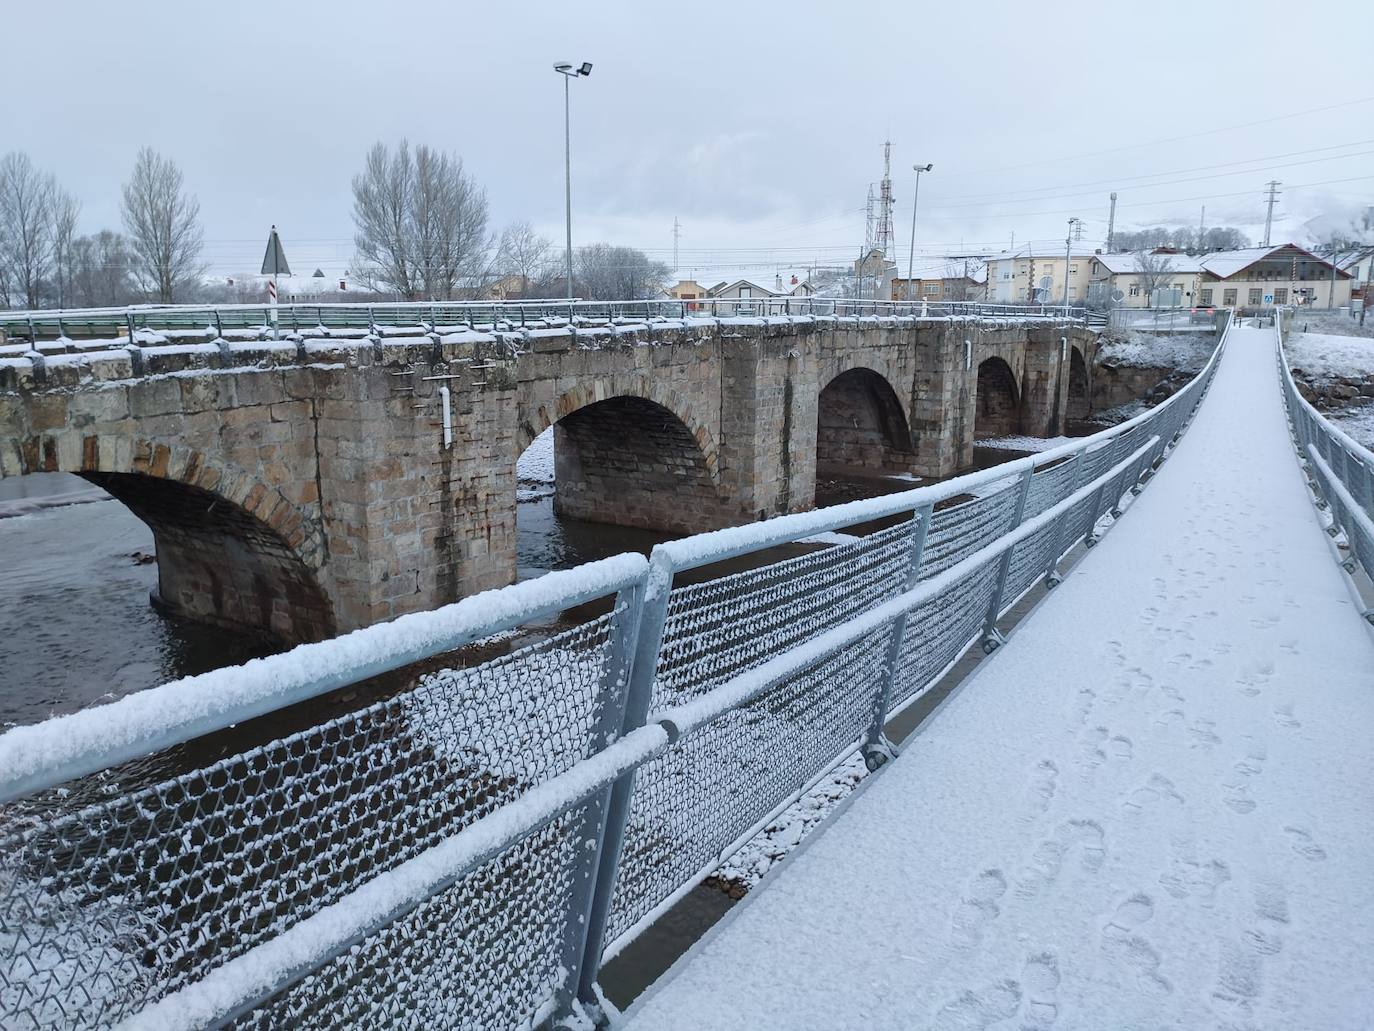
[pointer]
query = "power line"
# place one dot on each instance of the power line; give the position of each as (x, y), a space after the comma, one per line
(1174, 139)
(1176, 171)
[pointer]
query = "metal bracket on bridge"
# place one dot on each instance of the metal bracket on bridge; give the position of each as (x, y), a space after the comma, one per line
(1054, 579)
(993, 640)
(879, 753)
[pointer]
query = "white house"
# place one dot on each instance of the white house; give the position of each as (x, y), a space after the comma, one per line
(1166, 280)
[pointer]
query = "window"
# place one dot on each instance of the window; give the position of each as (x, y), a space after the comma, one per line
(1256, 295)
(1023, 270)
(931, 289)
(1073, 268)
(1135, 289)
(1228, 298)
(1281, 295)
(1207, 297)
(1178, 287)
(746, 291)
(1006, 275)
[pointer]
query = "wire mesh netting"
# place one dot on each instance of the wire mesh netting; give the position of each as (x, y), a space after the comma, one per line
(719, 628)
(698, 798)
(957, 532)
(484, 953)
(112, 906)
(938, 630)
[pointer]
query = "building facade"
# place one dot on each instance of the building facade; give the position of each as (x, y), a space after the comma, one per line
(1037, 273)
(1257, 277)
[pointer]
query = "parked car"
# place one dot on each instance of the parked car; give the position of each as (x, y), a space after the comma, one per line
(1204, 313)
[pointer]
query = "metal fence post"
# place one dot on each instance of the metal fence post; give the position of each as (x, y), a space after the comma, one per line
(991, 637)
(591, 932)
(877, 749)
(614, 721)
(1052, 577)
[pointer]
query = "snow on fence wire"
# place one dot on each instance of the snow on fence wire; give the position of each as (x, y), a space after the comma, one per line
(221, 321)
(1340, 468)
(467, 852)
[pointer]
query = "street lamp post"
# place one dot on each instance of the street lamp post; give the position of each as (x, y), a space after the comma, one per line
(569, 72)
(1068, 245)
(915, 196)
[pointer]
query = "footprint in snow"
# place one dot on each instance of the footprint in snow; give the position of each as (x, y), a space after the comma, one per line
(1283, 716)
(977, 908)
(980, 1009)
(1040, 986)
(1303, 844)
(1127, 948)
(1158, 788)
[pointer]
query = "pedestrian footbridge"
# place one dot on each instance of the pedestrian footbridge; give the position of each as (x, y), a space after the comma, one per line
(1147, 804)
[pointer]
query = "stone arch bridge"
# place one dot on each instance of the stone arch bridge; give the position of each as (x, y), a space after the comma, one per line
(309, 487)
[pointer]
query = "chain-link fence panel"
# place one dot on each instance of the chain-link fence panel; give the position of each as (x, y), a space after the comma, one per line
(958, 531)
(698, 798)
(107, 908)
(483, 954)
(722, 627)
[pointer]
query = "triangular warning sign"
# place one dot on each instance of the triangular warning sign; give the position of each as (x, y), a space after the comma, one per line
(274, 261)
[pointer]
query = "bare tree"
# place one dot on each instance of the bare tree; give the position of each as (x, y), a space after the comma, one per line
(1154, 271)
(66, 209)
(163, 223)
(605, 273)
(526, 254)
(421, 223)
(26, 229)
(102, 270)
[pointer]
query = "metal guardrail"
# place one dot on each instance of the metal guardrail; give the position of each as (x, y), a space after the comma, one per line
(256, 321)
(1341, 470)
(469, 851)
(1163, 320)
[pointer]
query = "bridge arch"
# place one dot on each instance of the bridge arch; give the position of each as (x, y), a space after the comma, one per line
(231, 549)
(997, 402)
(860, 422)
(630, 453)
(1079, 402)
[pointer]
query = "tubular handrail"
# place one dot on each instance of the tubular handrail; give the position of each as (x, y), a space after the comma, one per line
(834, 642)
(1342, 468)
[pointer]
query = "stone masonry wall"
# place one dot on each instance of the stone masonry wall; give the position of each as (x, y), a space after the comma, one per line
(304, 487)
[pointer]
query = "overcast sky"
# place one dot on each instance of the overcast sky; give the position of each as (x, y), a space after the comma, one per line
(759, 126)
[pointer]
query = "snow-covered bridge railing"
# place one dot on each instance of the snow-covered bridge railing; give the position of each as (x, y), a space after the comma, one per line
(51, 331)
(1339, 467)
(467, 851)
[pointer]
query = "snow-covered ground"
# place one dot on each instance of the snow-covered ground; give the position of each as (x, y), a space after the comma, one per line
(1149, 809)
(1138, 349)
(1018, 443)
(536, 464)
(1329, 356)
(1337, 373)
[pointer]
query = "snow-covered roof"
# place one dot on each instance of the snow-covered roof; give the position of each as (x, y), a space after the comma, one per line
(1224, 264)
(946, 268)
(753, 283)
(1045, 250)
(1127, 264)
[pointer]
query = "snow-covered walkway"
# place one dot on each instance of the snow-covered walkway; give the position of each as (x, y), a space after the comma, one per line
(1153, 808)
